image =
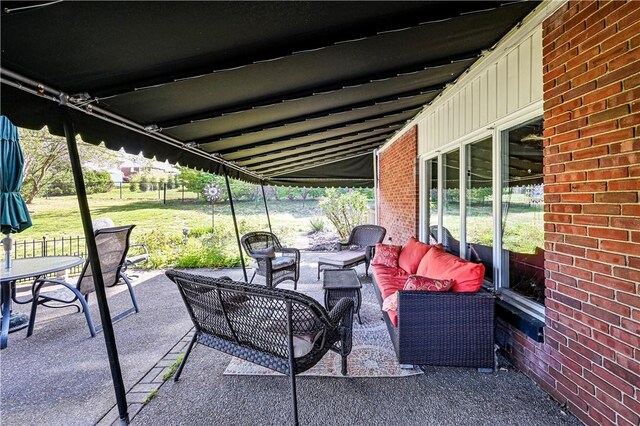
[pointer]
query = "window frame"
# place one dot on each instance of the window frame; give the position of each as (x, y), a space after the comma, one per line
(497, 132)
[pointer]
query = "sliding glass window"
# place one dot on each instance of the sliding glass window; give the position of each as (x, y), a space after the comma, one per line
(432, 200)
(451, 200)
(479, 203)
(522, 269)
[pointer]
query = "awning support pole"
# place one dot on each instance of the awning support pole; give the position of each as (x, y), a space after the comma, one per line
(235, 223)
(264, 197)
(101, 296)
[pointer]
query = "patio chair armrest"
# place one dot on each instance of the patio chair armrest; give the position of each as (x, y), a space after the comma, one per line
(137, 258)
(369, 252)
(48, 280)
(290, 251)
(342, 312)
(341, 317)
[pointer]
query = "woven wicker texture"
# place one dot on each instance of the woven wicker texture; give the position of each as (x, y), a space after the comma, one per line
(251, 321)
(256, 245)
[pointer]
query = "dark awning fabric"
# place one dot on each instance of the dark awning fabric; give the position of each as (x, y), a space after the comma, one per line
(265, 88)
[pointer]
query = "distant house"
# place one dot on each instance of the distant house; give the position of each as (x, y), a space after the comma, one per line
(129, 168)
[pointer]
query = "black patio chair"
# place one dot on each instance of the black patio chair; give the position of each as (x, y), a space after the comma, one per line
(263, 247)
(113, 244)
(279, 329)
(361, 244)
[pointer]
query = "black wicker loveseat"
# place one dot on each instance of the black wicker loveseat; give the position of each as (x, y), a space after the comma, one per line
(279, 329)
(454, 329)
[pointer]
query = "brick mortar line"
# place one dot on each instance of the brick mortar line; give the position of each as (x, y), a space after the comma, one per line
(145, 375)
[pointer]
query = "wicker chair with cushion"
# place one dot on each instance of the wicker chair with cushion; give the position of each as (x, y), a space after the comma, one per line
(279, 329)
(358, 249)
(113, 244)
(263, 247)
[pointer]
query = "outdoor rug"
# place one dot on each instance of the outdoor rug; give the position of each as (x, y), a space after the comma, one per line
(372, 354)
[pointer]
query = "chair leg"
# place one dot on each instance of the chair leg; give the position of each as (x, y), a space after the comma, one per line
(131, 293)
(344, 365)
(34, 307)
(186, 355)
(253, 276)
(87, 315)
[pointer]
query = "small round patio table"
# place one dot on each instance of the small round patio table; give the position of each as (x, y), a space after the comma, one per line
(27, 268)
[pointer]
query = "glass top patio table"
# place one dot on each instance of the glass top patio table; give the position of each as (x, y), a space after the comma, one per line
(27, 268)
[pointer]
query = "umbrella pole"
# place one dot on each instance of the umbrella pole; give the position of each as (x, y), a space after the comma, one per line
(105, 315)
(235, 223)
(264, 197)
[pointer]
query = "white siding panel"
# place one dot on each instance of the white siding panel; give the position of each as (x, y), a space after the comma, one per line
(492, 93)
(524, 73)
(475, 88)
(468, 104)
(536, 65)
(483, 100)
(512, 80)
(456, 116)
(504, 82)
(501, 94)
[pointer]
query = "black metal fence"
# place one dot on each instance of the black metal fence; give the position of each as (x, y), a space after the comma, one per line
(58, 246)
(142, 191)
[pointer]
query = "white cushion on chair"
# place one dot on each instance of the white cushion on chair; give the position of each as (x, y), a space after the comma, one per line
(343, 258)
(278, 263)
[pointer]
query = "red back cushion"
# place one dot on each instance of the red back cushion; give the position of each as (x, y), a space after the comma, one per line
(422, 266)
(411, 255)
(386, 255)
(467, 276)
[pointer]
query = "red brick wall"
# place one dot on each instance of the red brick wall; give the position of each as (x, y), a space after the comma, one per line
(398, 190)
(590, 359)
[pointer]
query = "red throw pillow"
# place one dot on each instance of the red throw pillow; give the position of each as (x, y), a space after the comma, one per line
(386, 255)
(467, 276)
(422, 266)
(411, 255)
(416, 282)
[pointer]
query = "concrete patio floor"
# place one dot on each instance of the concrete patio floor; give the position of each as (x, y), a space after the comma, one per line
(60, 375)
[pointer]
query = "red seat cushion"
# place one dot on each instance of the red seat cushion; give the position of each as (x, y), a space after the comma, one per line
(411, 255)
(390, 280)
(386, 255)
(467, 276)
(389, 285)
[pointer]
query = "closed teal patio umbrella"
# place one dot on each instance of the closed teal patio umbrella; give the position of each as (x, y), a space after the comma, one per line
(14, 215)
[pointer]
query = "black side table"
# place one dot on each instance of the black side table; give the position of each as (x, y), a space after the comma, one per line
(339, 283)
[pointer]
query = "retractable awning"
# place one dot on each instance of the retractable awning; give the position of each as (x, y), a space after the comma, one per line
(295, 93)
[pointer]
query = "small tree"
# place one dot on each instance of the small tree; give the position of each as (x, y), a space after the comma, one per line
(133, 186)
(345, 210)
(144, 184)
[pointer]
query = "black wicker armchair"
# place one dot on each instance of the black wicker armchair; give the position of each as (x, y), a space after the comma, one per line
(279, 329)
(263, 247)
(360, 244)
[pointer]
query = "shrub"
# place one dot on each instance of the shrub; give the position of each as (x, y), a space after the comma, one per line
(345, 210)
(144, 184)
(133, 186)
(317, 224)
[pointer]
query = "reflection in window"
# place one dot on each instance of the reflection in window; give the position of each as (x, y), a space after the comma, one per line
(432, 200)
(522, 211)
(451, 200)
(479, 199)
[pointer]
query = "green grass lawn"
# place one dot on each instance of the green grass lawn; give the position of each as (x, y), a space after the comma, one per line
(161, 226)
(60, 216)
